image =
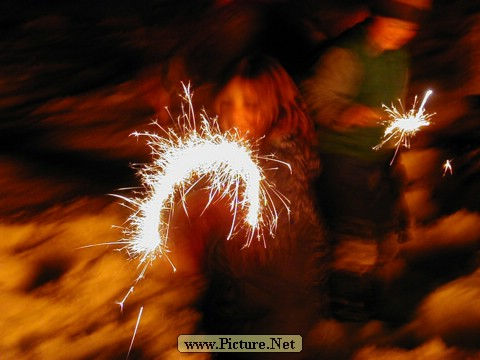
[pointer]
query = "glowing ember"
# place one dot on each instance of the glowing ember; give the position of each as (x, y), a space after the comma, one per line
(181, 160)
(403, 125)
(447, 167)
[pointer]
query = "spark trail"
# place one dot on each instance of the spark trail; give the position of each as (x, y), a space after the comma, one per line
(183, 157)
(135, 331)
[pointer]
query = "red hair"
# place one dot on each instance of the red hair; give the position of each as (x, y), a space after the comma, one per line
(280, 103)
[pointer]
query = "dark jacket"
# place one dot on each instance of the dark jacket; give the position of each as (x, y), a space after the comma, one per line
(274, 286)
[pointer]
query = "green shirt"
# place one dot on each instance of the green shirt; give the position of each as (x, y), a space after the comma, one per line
(352, 73)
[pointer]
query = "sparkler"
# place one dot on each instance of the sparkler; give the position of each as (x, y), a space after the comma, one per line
(182, 159)
(403, 125)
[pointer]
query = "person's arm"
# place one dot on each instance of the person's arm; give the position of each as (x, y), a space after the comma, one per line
(330, 91)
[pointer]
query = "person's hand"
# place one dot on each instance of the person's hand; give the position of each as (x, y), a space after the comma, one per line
(358, 116)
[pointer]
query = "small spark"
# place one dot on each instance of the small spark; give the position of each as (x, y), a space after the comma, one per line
(122, 302)
(403, 125)
(135, 331)
(447, 167)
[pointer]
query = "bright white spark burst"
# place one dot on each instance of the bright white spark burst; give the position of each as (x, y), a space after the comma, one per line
(181, 160)
(226, 160)
(403, 125)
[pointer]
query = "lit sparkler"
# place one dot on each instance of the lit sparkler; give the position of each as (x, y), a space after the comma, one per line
(403, 125)
(181, 160)
(226, 160)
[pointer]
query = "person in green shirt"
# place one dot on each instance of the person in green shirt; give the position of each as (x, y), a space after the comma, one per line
(359, 191)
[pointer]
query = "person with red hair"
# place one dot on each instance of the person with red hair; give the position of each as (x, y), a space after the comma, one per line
(275, 285)
(260, 99)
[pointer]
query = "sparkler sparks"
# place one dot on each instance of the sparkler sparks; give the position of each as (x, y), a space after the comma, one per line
(135, 331)
(181, 159)
(447, 167)
(227, 161)
(403, 125)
